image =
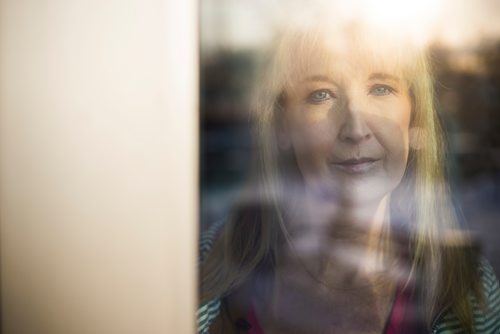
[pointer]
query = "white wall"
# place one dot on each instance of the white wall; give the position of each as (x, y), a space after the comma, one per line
(98, 165)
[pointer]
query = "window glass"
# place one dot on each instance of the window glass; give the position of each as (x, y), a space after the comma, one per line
(325, 119)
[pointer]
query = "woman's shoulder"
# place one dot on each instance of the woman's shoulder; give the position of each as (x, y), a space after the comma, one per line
(210, 310)
(206, 314)
(486, 312)
(489, 280)
(208, 237)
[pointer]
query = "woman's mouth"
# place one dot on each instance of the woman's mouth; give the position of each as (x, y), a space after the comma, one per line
(355, 166)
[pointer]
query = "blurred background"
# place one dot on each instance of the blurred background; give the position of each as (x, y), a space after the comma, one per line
(463, 38)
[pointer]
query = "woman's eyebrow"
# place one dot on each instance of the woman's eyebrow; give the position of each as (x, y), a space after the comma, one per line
(383, 76)
(321, 78)
(373, 76)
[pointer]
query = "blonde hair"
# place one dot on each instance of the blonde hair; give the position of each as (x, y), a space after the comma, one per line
(251, 237)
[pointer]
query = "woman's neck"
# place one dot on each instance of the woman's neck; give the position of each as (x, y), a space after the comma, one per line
(337, 243)
(327, 270)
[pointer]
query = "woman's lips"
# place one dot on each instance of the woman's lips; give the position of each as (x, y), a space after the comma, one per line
(355, 166)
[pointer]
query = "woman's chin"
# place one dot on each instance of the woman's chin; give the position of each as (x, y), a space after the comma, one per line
(353, 191)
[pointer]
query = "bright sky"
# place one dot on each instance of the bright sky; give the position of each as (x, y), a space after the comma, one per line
(454, 23)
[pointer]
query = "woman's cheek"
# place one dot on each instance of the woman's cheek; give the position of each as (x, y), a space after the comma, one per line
(317, 138)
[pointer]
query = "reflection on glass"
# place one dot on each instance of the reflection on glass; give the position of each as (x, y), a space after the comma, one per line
(326, 201)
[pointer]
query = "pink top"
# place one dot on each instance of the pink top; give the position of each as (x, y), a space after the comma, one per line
(394, 325)
(395, 321)
(252, 320)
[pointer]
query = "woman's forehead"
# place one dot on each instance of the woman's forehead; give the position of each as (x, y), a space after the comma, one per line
(345, 64)
(346, 54)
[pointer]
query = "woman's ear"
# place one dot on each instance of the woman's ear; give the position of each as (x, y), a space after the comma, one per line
(417, 138)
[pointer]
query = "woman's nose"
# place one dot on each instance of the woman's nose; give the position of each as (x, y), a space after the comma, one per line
(354, 127)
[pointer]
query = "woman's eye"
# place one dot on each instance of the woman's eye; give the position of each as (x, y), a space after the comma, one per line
(381, 90)
(319, 96)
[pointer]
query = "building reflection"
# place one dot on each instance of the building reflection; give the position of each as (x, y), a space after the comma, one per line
(468, 94)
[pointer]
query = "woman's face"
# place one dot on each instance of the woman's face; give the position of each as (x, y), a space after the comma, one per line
(347, 119)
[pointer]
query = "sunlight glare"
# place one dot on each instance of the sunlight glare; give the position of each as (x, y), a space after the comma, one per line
(416, 18)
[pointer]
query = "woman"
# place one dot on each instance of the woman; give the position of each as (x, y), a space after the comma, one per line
(350, 229)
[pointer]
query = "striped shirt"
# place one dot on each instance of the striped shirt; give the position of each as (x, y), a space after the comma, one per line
(486, 320)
